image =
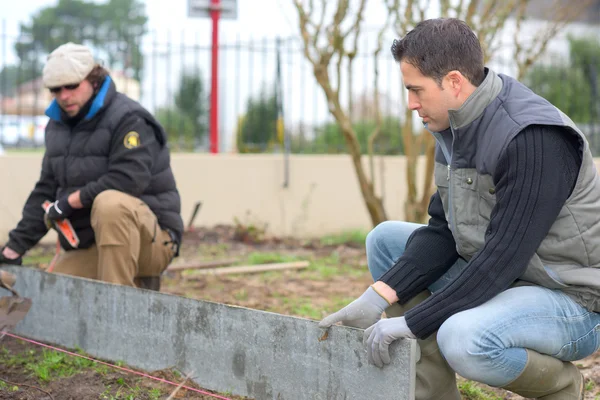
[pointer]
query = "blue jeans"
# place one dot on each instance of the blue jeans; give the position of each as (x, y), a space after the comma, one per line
(487, 343)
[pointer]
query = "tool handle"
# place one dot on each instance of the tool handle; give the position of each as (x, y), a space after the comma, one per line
(46, 205)
(7, 279)
(63, 226)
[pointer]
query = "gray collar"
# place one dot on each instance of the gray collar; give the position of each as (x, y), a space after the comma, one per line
(477, 102)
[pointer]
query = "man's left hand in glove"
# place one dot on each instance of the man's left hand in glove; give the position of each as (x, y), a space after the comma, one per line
(378, 337)
(60, 209)
(10, 257)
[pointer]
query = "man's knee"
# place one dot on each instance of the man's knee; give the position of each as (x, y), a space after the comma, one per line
(383, 246)
(375, 243)
(111, 205)
(466, 346)
(378, 234)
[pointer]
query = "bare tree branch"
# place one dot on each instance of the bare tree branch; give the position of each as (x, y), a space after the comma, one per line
(318, 27)
(471, 12)
(321, 57)
(492, 19)
(357, 22)
(377, 129)
(518, 27)
(353, 51)
(408, 19)
(306, 37)
(459, 9)
(423, 9)
(559, 15)
(444, 7)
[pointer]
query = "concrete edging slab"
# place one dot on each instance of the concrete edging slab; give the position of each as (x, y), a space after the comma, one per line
(242, 351)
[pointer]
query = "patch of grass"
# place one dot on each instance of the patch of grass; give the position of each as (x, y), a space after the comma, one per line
(338, 303)
(353, 237)
(271, 276)
(297, 306)
(49, 364)
(209, 251)
(241, 295)
(5, 387)
(37, 256)
(590, 385)
(267, 258)
(320, 270)
(124, 391)
(154, 394)
(55, 364)
(305, 308)
(327, 267)
(470, 391)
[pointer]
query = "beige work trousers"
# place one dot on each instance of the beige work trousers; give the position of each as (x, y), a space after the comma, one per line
(129, 243)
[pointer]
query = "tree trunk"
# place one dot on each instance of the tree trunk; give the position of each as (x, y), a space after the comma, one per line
(367, 188)
(415, 208)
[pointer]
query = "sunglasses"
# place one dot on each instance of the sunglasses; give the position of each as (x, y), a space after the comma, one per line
(68, 87)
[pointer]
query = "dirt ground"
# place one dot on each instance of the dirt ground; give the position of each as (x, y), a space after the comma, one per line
(29, 373)
(337, 274)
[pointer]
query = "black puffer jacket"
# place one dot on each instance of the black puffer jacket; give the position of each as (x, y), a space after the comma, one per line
(94, 155)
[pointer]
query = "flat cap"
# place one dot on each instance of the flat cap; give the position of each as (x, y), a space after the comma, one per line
(69, 64)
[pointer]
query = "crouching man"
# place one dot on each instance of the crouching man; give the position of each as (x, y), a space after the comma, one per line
(502, 285)
(107, 170)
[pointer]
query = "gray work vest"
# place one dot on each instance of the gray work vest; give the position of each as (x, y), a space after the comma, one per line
(466, 157)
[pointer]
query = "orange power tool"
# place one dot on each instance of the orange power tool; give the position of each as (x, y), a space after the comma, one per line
(63, 226)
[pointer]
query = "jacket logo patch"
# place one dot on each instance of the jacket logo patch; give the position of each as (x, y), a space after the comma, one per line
(132, 140)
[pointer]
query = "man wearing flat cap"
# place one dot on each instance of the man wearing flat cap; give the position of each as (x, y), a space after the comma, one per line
(107, 170)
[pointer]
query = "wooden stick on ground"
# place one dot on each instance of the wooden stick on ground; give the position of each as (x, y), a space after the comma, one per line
(172, 396)
(202, 264)
(249, 269)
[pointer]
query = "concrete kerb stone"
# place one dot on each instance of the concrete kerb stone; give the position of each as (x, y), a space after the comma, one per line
(242, 351)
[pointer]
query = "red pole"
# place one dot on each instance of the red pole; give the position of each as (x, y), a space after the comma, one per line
(215, 12)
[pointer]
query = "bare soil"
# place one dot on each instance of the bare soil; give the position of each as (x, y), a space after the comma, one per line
(20, 382)
(337, 275)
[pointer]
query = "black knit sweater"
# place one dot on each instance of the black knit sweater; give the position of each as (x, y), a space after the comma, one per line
(533, 179)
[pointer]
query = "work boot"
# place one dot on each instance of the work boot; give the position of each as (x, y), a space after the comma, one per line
(548, 378)
(435, 379)
(148, 282)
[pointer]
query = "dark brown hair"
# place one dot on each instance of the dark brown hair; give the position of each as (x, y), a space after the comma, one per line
(438, 46)
(96, 77)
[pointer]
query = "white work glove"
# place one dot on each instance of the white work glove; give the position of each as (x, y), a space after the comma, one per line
(378, 337)
(361, 313)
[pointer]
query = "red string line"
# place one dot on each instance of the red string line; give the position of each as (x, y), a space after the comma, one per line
(117, 367)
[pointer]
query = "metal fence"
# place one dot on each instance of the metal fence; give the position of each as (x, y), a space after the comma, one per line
(267, 92)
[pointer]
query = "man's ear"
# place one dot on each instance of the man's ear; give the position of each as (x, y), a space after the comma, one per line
(455, 81)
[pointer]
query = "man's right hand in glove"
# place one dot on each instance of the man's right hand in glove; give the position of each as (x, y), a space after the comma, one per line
(9, 256)
(361, 313)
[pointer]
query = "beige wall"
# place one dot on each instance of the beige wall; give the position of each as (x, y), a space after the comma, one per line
(323, 194)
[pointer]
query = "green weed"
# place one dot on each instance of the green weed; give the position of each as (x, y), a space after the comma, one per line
(590, 385)
(241, 295)
(267, 258)
(353, 237)
(471, 392)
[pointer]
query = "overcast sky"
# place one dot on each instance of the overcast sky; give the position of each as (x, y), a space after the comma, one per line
(263, 16)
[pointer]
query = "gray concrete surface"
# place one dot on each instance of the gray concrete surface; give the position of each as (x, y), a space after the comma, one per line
(246, 352)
